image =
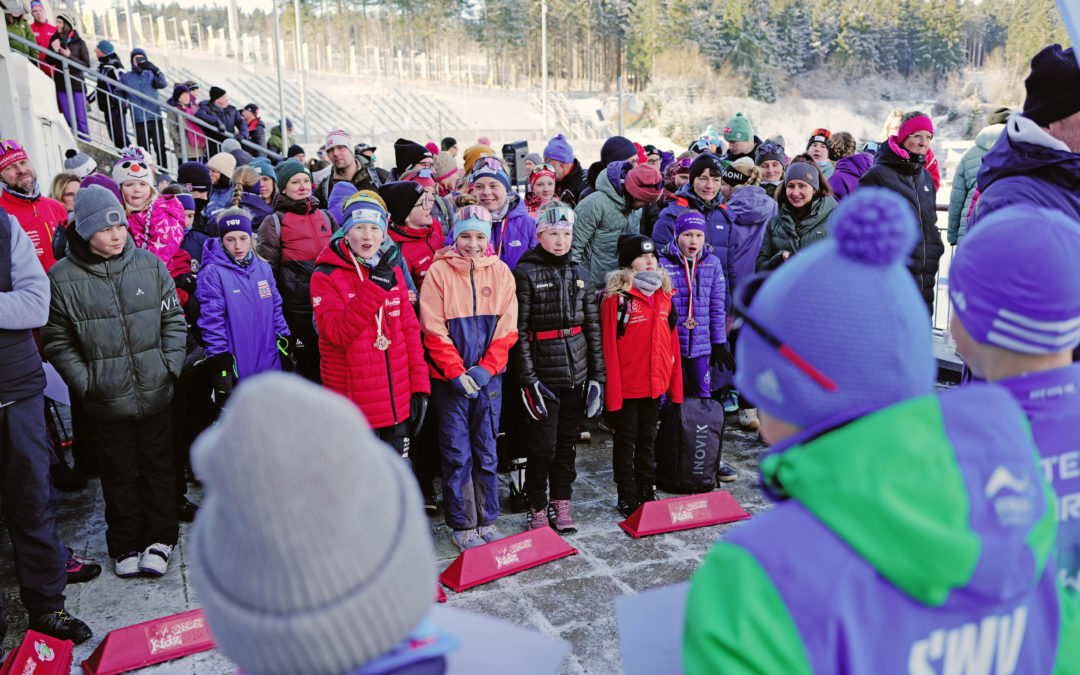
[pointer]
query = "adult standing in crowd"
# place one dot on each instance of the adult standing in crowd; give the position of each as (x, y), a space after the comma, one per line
(348, 168)
(256, 128)
(67, 43)
(24, 444)
(111, 100)
(20, 196)
(900, 166)
(223, 119)
(146, 78)
(43, 32)
(806, 204)
(17, 25)
(569, 176)
(1037, 159)
(449, 146)
(818, 148)
(188, 137)
(290, 240)
(964, 186)
(274, 142)
(742, 142)
(622, 190)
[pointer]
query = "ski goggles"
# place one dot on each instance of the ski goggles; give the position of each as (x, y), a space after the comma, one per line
(741, 300)
(680, 166)
(555, 218)
(488, 162)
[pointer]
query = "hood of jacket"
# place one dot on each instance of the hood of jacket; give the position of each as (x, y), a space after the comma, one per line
(138, 51)
(989, 135)
(410, 234)
(900, 160)
(538, 255)
(302, 207)
(214, 252)
(671, 251)
(337, 253)
(976, 525)
(1026, 149)
(610, 182)
(110, 60)
(461, 264)
(820, 209)
(751, 205)
(856, 164)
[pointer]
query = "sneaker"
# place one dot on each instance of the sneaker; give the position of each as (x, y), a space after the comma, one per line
(186, 511)
(489, 533)
(536, 519)
(731, 402)
(62, 626)
(127, 565)
(748, 419)
(628, 501)
(155, 559)
(725, 474)
(585, 437)
(65, 478)
(78, 571)
(558, 514)
(466, 539)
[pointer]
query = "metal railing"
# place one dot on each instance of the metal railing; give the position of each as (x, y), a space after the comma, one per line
(942, 306)
(122, 97)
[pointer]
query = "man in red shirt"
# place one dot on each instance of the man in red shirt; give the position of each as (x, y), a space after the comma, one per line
(43, 31)
(20, 197)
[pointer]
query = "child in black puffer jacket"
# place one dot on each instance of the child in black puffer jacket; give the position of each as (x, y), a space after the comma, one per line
(559, 361)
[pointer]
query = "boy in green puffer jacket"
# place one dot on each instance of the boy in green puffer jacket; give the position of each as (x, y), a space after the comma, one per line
(116, 334)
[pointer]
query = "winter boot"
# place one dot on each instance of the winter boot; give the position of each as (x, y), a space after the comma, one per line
(65, 478)
(647, 493)
(466, 539)
(628, 500)
(536, 519)
(748, 419)
(558, 514)
(489, 533)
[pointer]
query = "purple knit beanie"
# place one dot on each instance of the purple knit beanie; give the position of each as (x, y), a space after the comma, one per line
(104, 181)
(689, 220)
(559, 150)
(1015, 283)
(849, 307)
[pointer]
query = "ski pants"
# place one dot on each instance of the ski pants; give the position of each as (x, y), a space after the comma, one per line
(467, 430)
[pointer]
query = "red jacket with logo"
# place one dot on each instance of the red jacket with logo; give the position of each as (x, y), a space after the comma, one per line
(380, 383)
(418, 246)
(644, 362)
(38, 217)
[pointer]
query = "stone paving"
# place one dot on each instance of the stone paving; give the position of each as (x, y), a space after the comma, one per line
(571, 598)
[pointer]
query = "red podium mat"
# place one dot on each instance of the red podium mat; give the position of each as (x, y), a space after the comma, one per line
(145, 644)
(505, 557)
(683, 513)
(39, 654)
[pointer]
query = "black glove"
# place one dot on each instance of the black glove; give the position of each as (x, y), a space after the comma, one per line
(223, 371)
(383, 274)
(417, 412)
(185, 282)
(151, 67)
(722, 358)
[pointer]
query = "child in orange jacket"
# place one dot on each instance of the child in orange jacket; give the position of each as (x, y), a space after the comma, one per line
(641, 351)
(468, 315)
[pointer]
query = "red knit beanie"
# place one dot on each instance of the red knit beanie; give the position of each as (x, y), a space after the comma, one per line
(644, 182)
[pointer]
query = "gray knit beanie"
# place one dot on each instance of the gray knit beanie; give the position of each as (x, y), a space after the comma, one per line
(96, 208)
(311, 553)
(230, 144)
(79, 163)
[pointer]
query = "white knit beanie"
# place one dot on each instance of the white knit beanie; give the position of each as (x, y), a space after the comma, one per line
(311, 552)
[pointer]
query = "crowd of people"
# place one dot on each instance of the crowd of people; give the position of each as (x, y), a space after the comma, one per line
(476, 327)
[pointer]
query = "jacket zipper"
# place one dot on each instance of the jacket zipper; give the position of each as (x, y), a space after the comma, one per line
(564, 292)
(127, 345)
(472, 282)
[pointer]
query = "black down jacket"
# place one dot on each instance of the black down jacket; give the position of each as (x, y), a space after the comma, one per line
(554, 293)
(116, 333)
(896, 170)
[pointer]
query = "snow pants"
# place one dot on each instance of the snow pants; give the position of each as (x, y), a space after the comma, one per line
(550, 444)
(633, 455)
(28, 513)
(78, 125)
(467, 431)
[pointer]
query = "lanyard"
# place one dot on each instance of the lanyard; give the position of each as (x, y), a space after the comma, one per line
(381, 341)
(691, 274)
(502, 234)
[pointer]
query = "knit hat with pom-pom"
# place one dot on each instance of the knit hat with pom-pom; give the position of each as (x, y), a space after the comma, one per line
(848, 308)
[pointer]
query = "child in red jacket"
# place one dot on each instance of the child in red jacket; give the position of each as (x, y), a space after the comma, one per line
(369, 336)
(641, 351)
(468, 310)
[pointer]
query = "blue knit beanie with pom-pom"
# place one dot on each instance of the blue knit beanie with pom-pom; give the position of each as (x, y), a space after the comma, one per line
(850, 308)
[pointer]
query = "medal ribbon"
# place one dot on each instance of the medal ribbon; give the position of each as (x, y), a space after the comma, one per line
(691, 274)
(378, 317)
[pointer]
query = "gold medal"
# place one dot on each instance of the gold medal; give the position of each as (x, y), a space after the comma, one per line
(690, 323)
(382, 343)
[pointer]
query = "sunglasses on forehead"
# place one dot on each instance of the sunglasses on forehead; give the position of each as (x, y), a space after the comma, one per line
(543, 167)
(741, 305)
(10, 145)
(488, 162)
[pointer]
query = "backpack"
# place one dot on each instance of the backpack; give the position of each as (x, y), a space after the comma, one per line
(688, 445)
(277, 221)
